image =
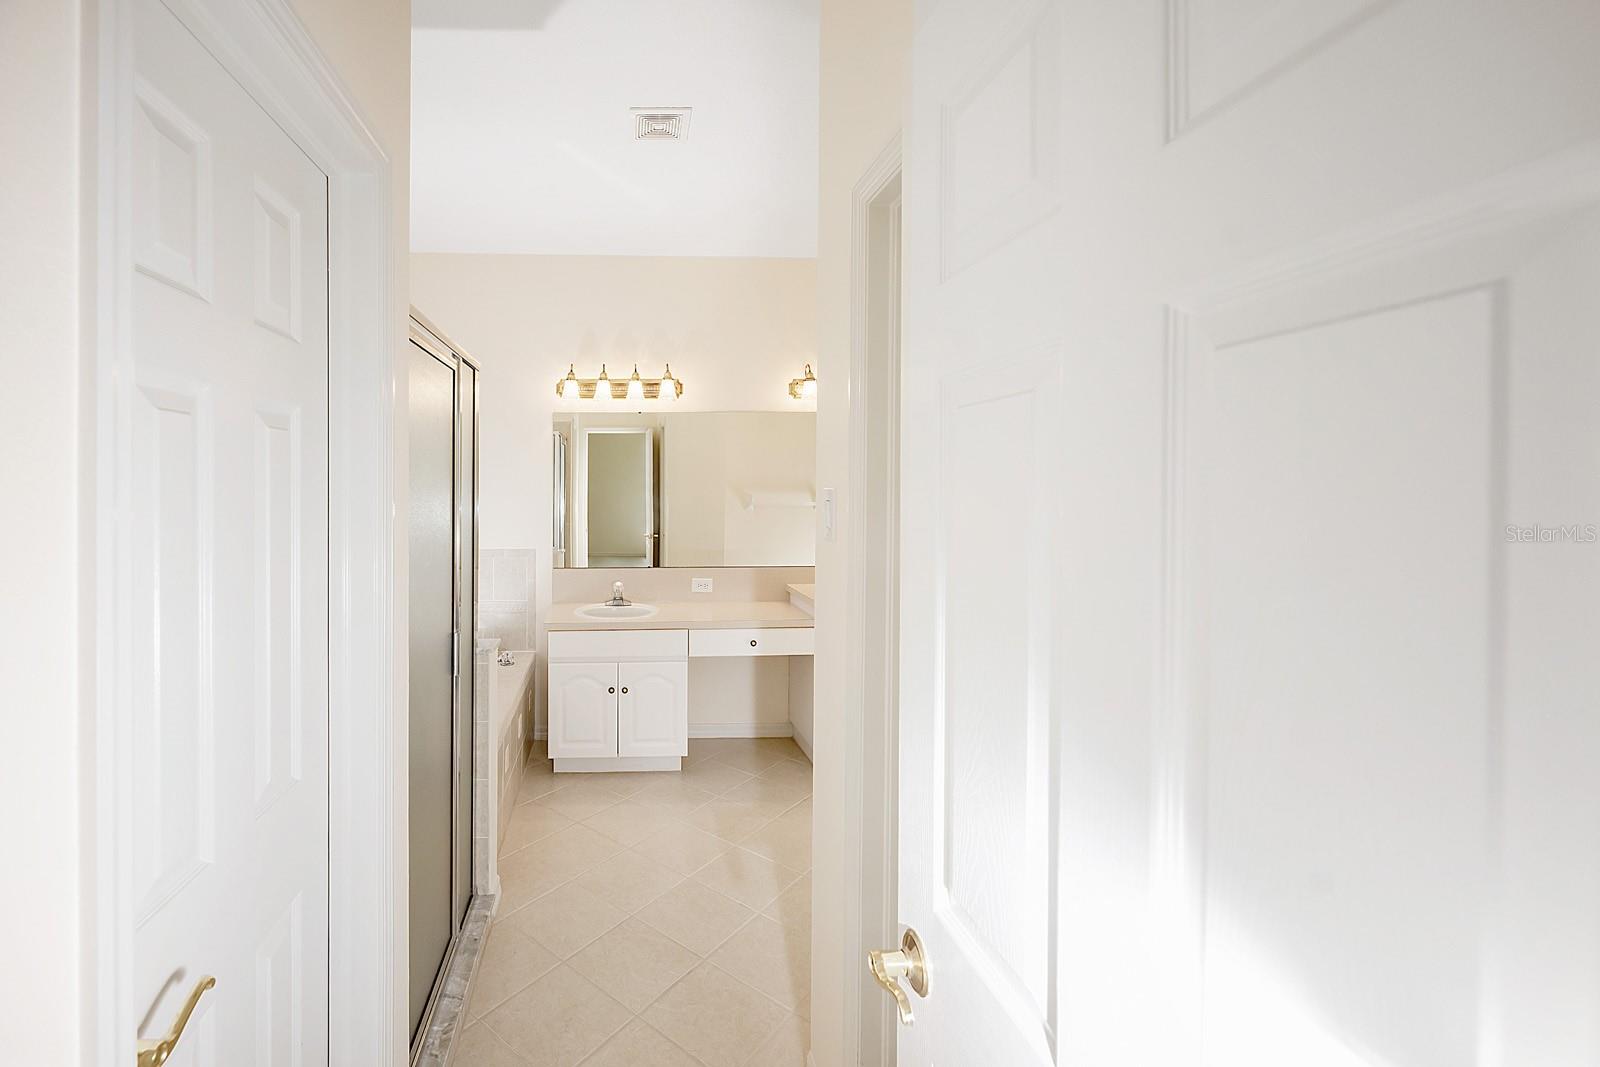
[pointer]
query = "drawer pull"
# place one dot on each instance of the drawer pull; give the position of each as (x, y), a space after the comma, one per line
(613, 689)
(624, 689)
(752, 642)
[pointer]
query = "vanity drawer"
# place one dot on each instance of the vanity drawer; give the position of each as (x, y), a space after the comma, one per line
(602, 645)
(756, 641)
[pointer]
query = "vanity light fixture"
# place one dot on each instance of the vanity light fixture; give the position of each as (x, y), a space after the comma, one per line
(634, 388)
(568, 388)
(805, 386)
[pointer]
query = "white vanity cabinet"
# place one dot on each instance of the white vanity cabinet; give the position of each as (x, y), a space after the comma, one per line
(619, 696)
(583, 710)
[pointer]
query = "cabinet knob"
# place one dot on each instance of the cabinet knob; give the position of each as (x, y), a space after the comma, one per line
(624, 689)
(752, 642)
(613, 689)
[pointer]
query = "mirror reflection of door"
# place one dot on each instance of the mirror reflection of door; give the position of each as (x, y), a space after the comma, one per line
(684, 489)
(620, 496)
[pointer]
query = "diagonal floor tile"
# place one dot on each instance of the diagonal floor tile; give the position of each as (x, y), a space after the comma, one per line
(479, 1047)
(683, 848)
(770, 958)
(787, 1047)
(750, 879)
(553, 861)
(785, 840)
(634, 963)
(713, 776)
(694, 916)
(730, 820)
(567, 919)
(715, 1017)
(511, 961)
(558, 1020)
(793, 906)
(628, 880)
(788, 772)
(580, 799)
(640, 1045)
(529, 823)
(631, 821)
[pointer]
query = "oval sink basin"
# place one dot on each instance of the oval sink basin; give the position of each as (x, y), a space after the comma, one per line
(606, 611)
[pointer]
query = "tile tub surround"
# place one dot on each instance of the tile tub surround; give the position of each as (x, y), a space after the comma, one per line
(652, 918)
(508, 581)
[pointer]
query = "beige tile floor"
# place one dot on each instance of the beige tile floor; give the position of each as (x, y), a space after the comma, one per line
(652, 920)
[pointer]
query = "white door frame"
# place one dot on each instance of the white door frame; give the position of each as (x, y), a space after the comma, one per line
(263, 46)
(870, 757)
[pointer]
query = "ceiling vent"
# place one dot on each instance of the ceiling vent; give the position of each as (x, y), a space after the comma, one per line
(661, 123)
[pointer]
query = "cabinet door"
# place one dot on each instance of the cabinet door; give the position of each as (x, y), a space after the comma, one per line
(583, 710)
(653, 716)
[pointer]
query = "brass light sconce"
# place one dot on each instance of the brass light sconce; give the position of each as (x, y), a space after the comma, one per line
(805, 386)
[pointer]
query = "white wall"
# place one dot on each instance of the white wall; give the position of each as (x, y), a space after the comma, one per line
(735, 331)
(48, 71)
(865, 63)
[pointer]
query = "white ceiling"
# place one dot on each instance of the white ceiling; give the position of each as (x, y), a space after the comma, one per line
(522, 140)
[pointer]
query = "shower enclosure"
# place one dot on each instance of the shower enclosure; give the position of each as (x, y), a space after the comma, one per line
(442, 526)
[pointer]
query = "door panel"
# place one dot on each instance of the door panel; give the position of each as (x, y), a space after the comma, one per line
(1284, 317)
(223, 475)
(431, 536)
(583, 710)
(653, 709)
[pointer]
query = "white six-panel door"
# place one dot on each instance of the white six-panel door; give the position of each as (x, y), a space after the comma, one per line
(1252, 459)
(224, 469)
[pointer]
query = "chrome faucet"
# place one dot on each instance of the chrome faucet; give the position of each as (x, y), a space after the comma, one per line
(617, 600)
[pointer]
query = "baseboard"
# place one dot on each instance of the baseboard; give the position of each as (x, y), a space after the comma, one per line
(804, 744)
(706, 730)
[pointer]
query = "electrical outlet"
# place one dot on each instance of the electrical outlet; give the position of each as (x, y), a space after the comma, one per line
(700, 585)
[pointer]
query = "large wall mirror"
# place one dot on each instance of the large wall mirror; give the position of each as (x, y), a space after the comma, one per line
(685, 489)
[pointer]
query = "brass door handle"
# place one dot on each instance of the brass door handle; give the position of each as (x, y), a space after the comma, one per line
(908, 962)
(155, 1053)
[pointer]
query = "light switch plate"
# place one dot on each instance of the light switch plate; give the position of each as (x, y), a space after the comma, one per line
(699, 585)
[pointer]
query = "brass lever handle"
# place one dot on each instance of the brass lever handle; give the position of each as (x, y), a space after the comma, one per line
(908, 962)
(155, 1053)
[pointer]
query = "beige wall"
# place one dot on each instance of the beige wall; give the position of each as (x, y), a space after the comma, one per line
(735, 331)
(42, 664)
(48, 135)
(864, 70)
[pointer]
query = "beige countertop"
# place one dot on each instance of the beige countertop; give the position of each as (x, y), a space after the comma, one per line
(688, 615)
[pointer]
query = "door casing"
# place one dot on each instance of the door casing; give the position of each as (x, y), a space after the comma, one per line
(263, 46)
(868, 756)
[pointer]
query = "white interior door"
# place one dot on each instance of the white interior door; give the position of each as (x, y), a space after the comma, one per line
(224, 475)
(1249, 480)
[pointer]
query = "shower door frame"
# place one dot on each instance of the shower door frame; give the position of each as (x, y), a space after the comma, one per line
(477, 761)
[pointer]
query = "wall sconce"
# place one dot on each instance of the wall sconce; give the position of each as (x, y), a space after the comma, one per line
(805, 386)
(603, 388)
